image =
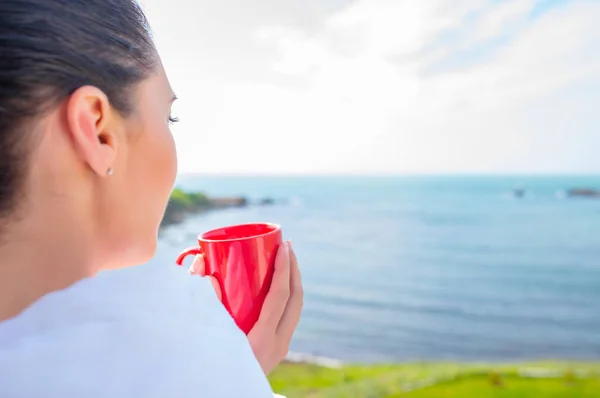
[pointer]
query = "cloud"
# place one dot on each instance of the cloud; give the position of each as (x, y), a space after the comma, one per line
(396, 85)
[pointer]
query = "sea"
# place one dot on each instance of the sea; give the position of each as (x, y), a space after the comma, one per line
(427, 268)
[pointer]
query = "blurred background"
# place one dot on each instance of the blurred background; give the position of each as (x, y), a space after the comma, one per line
(435, 164)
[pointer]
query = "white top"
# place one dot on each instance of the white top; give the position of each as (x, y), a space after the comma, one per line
(95, 340)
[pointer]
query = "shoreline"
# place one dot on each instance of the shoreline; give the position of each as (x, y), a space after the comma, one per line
(310, 359)
(183, 204)
(334, 363)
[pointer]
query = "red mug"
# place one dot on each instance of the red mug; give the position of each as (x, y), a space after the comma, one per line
(242, 260)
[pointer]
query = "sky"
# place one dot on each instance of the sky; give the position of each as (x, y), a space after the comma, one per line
(382, 86)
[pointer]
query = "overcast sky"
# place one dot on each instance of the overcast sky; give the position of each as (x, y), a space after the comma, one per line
(380, 86)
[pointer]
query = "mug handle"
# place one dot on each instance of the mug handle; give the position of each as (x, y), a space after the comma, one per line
(187, 252)
(194, 251)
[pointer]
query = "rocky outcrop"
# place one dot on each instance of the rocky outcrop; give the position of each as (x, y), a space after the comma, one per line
(267, 201)
(181, 204)
(584, 192)
(235, 201)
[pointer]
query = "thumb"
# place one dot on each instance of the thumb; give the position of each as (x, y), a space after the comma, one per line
(198, 267)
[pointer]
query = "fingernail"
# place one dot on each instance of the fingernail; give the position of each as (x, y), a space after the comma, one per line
(290, 243)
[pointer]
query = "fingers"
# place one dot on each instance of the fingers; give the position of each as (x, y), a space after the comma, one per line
(277, 298)
(291, 316)
(216, 287)
(198, 267)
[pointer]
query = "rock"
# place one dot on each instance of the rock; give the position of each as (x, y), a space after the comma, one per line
(267, 201)
(519, 192)
(228, 202)
(584, 192)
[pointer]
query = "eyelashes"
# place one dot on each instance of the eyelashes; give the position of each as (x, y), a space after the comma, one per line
(173, 120)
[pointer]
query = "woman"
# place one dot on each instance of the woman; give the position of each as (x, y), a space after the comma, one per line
(87, 163)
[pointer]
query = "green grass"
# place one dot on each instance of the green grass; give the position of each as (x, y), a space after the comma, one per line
(449, 380)
(182, 203)
(513, 387)
(187, 199)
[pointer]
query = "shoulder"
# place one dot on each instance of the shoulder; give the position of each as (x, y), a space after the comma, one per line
(101, 349)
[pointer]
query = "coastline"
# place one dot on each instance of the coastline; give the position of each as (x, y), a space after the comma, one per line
(305, 358)
(328, 362)
(183, 204)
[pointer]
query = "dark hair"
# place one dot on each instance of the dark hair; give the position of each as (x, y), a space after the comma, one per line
(50, 48)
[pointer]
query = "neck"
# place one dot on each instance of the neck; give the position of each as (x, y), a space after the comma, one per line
(37, 258)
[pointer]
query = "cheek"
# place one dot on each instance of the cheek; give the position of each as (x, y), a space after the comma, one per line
(167, 155)
(154, 174)
(161, 163)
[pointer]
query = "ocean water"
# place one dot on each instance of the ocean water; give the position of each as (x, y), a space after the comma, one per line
(429, 268)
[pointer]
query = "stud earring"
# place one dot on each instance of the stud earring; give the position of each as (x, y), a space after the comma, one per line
(110, 171)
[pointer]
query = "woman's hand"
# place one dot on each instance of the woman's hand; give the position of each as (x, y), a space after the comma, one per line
(270, 338)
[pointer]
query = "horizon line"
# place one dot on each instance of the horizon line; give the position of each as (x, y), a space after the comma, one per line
(393, 174)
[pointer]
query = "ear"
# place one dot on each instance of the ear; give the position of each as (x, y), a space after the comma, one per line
(89, 114)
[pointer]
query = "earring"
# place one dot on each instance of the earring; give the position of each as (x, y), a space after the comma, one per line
(110, 171)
